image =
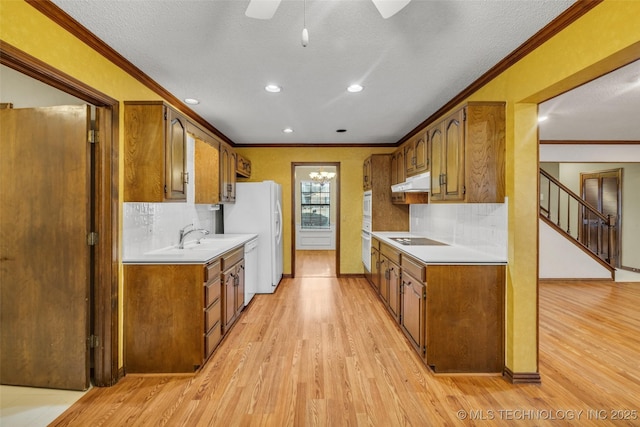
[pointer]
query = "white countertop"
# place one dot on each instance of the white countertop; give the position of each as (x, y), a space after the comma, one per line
(450, 254)
(209, 248)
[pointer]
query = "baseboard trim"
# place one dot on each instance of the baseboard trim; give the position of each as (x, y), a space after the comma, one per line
(522, 377)
(351, 276)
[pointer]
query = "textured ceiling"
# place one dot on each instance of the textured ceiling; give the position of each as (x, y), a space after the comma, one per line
(410, 64)
(604, 109)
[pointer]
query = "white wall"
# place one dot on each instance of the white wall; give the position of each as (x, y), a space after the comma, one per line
(478, 226)
(561, 259)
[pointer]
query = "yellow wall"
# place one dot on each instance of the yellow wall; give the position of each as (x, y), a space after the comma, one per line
(606, 37)
(275, 164)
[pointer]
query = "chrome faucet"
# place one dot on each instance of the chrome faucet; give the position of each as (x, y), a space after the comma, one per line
(188, 229)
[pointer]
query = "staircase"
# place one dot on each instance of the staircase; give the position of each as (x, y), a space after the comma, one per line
(577, 220)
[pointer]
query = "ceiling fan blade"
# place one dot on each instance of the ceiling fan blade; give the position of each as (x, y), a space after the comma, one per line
(262, 9)
(388, 8)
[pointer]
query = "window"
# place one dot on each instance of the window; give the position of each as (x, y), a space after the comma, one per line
(315, 205)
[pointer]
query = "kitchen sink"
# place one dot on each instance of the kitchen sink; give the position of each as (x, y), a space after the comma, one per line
(417, 241)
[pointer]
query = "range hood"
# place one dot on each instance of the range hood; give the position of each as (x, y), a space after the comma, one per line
(416, 183)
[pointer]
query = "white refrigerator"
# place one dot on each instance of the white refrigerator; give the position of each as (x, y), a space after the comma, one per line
(258, 209)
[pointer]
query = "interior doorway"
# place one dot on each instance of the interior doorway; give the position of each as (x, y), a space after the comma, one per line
(102, 339)
(315, 219)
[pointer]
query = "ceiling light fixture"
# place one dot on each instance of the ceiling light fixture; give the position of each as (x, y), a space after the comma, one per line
(191, 101)
(272, 88)
(542, 118)
(321, 176)
(287, 130)
(305, 32)
(341, 130)
(354, 88)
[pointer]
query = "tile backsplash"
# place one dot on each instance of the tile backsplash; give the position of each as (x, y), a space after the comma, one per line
(478, 226)
(149, 226)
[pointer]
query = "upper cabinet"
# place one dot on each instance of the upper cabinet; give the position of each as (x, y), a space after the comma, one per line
(398, 174)
(468, 154)
(416, 154)
(207, 170)
(366, 174)
(228, 161)
(155, 138)
(243, 166)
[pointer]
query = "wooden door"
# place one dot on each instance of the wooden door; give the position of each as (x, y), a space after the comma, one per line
(393, 277)
(422, 154)
(45, 199)
(602, 190)
(454, 157)
(240, 286)
(437, 146)
(410, 157)
(176, 156)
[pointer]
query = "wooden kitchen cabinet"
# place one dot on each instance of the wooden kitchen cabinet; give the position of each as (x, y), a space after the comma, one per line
(417, 154)
(155, 138)
(232, 287)
(465, 318)
(207, 170)
(385, 216)
(228, 161)
(468, 154)
(398, 174)
(374, 275)
(170, 317)
(366, 174)
(390, 262)
(413, 302)
(243, 166)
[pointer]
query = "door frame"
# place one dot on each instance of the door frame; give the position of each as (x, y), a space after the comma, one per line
(618, 220)
(105, 313)
(293, 211)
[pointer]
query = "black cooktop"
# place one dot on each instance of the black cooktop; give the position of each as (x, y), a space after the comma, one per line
(417, 241)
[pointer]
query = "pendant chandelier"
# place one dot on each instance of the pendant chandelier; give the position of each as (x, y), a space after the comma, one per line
(321, 176)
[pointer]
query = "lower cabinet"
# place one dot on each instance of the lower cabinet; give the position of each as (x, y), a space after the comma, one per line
(232, 287)
(453, 315)
(413, 302)
(176, 314)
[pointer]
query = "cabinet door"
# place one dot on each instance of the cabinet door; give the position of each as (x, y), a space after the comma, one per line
(421, 153)
(397, 174)
(207, 170)
(366, 174)
(231, 183)
(375, 269)
(176, 157)
(239, 286)
(413, 295)
(228, 298)
(384, 282)
(225, 183)
(393, 279)
(410, 157)
(454, 156)
(437, 147)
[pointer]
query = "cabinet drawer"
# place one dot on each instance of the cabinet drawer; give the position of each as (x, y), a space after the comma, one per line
(211, 316)
(414, 268)
(230, 258)
(391, 253)
(212, 271)
(211, 292)
(211, 340)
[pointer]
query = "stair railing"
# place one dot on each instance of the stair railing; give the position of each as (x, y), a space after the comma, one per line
(577, 218)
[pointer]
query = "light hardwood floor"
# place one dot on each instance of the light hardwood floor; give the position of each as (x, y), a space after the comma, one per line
(323, 351)
(314, 263)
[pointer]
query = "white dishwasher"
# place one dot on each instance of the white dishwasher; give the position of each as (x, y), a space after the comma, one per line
(250, 269)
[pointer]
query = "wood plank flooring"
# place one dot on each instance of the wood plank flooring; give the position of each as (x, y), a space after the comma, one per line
(324, 351)
(315, 263)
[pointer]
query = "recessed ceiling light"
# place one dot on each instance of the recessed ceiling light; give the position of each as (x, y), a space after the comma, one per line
(191, 101)
(272, 88)
(287, 130)
(341, 130)
(355, 88)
